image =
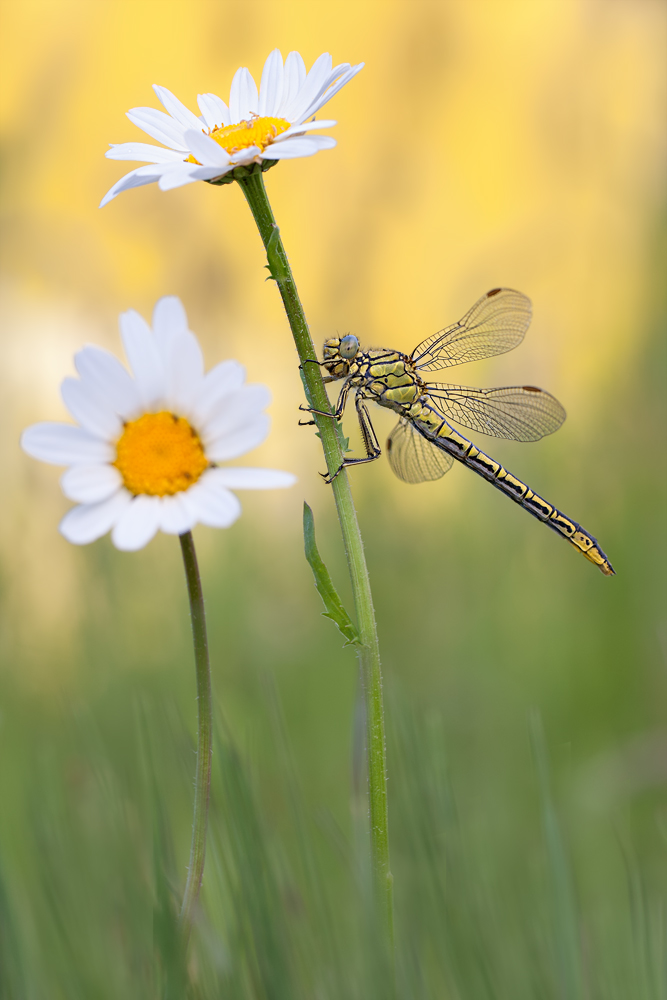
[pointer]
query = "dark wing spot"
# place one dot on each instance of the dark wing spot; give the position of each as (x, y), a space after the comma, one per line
(531, 388)
(388, 444)
(494, 291)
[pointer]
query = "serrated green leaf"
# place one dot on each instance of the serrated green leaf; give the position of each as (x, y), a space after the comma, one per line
(332, 602)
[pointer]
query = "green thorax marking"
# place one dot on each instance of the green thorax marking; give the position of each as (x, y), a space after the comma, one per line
(387, 378)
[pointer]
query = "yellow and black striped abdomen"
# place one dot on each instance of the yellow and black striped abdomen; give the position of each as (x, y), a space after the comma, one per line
(432, 426)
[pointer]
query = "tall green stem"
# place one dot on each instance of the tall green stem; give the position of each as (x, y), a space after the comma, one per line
(204, 720)
(253, 188)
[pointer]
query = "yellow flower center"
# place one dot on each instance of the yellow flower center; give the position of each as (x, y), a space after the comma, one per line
(159, 454)
(254, 132)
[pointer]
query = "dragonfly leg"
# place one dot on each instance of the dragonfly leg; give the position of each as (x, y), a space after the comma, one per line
(371, 444)
(311, 409)
(312, 361)
(336, 414)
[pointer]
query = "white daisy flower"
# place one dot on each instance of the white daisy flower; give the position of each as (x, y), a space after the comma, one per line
(269, 125)
(146, 453)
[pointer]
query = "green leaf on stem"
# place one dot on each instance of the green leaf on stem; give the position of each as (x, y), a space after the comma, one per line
(332, 602)
(276, 264)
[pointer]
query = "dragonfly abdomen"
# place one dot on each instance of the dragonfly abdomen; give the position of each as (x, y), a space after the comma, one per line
(437, 430)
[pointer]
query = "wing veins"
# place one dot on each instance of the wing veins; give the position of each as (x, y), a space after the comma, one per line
(517, 413)
(413, 458)
(495, 324)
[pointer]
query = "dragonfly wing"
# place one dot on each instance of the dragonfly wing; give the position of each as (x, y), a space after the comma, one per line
(413, 458)
(518, 412)
(495, 324)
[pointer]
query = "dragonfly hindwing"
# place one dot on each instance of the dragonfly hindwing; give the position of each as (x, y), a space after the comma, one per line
(517, 412)
(413, 458)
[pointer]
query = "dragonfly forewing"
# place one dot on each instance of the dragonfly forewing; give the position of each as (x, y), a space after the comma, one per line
(494, 325)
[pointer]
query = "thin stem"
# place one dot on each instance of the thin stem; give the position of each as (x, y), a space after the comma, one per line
(204, 724)
(253, 188)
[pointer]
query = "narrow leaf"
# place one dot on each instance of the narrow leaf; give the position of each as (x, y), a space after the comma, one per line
(332, 602)
(274, 256)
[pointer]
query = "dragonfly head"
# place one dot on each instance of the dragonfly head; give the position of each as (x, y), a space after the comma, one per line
(337, 354)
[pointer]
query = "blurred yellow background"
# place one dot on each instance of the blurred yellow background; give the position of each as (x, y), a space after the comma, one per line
(494, 142)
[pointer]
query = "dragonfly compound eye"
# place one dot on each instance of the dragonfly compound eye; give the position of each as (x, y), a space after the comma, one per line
(349, 347)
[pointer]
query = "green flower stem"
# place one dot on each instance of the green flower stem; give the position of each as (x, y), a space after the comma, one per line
(203, 776)
(253, 188)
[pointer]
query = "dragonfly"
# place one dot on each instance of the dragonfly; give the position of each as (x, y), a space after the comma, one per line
(423, 445)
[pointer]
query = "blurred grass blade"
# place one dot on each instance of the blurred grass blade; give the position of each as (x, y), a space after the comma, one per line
(649, 974)
(13, 984)
(565, 911)
(259, 922)
(170, 965)
(332, 602)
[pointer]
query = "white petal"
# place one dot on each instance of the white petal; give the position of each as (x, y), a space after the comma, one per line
(235, 409)
(169, 320)
(159, 126)
(143, 151)
(335, 74)
(326, 95)
(176, 109)
(255, 479)
(271, 86)
(109, 380)
(222, 380)
(85, 524)
(143, 355)
(240, 440)
(206, 150)
(306, 127)
(90, 483)
(214, 110)
(311, 87)
(90, 409)
(64, 444)
(298, 145)
(175, 516)
(243, 98)
(184, 373)
(294, 79)
(321, 141)
(137, 524)
(211, 503)
(132, 180)
(246, 155)
(190, 174)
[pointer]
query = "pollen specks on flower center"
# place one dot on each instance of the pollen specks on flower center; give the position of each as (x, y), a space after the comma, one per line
(254, 132)
(159, 454)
